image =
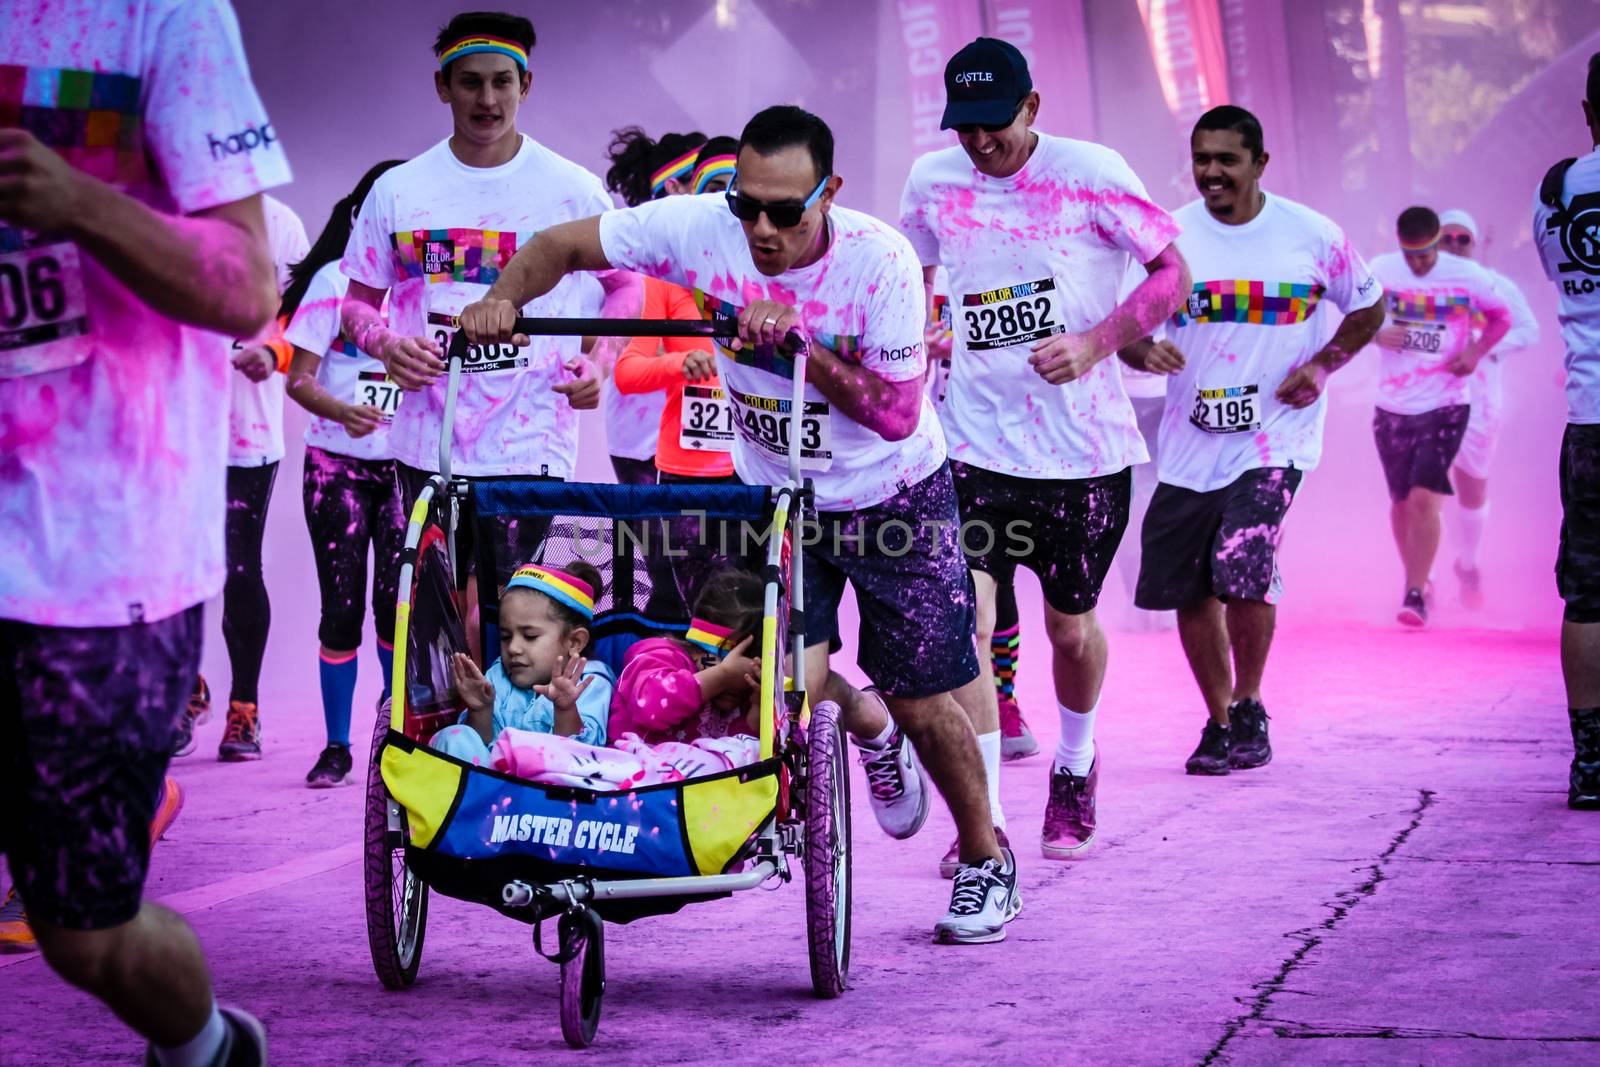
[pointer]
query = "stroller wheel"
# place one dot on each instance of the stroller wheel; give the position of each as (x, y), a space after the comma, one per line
(583, 976)
(827, 852)
(397, 900)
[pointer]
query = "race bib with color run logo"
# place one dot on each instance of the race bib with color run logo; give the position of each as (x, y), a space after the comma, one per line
(499, 356)
(1423, 338)
(764, 422)
(44, 318)
(374, 389)
(1232, 409)
(705, 422)
(1011, 315)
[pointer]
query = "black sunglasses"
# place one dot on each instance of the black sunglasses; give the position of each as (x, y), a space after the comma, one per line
(974, 127)
(1460, 240)
(784, 214)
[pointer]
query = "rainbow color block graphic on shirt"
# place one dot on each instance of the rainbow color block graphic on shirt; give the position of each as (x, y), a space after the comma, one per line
(1428, 305)
(456, 255)
(1261, 303)
(767, 357)
(92, 119)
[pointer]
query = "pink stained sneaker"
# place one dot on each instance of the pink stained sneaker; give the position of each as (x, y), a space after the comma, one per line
(1016, 740)
(952, 859)
(1070, 819)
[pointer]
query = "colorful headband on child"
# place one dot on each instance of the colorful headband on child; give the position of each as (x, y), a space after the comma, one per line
(678, 168)
(709, 636)
(468, 46)
(712, 168)
(559, 586)
(1422, 246)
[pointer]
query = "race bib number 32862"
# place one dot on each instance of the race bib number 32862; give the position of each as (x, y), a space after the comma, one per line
(1010, 315)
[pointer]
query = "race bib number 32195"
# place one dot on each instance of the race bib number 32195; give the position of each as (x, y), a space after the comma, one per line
(44, 319)
(1235, 409)
(1011, 315)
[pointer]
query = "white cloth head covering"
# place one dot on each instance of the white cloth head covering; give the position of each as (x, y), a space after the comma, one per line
(1456, 217)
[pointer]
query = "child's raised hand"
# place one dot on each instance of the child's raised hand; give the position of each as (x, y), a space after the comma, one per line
(738, 663)
(567, 683)
(476, 691)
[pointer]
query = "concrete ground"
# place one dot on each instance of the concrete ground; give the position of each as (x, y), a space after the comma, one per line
(1403, 884)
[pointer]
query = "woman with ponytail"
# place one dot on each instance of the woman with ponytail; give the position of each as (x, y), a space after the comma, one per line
(351, 496)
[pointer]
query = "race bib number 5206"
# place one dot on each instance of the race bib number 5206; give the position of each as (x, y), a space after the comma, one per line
(1011, 315)
(44, 320)
(1235, 409)
(1423, 338)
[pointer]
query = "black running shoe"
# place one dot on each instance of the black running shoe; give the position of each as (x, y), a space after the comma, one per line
(1248, 746)
(1414, 609)
(1211, 755)
(1583, 786)
(333, 768)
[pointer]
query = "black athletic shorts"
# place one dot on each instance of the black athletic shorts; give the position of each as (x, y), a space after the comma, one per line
(516, 541)
(1221, 543)
(1418, 450)
(1578, 559)
(903, 558)
(88, 719)
(1064, 530)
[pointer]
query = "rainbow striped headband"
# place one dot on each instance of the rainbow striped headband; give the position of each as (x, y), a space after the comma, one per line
(712, 168)
(679, 167)
(1423, 247)
(709, 636)
(559, 586)
(468, 46)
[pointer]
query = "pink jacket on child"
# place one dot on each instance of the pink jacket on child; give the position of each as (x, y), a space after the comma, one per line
(659, 699)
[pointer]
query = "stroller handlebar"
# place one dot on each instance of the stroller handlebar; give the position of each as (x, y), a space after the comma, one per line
(546, 327)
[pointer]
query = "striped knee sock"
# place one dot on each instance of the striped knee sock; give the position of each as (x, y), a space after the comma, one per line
(1003, 650)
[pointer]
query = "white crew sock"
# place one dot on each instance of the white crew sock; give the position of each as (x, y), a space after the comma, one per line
(888, 727)
(989, 745)
(1469, 526)
(1075, 749)
(201, 1050)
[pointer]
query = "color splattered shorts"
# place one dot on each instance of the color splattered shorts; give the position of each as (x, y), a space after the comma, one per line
(1064, 530)
(1417, 450)
(903, 558)
(1578, 559)
(1221, 543)
(87, 724)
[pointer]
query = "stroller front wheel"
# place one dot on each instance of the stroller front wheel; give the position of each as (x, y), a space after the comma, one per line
(396, 899)
(827, 852)
(583, 976)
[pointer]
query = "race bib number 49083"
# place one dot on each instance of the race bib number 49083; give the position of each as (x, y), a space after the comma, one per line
(1011, 315)
(479, 358)
(705, 422)
(44, 319)
(764, 422)
(1235, 409)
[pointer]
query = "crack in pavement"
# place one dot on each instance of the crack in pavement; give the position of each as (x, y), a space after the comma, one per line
(1312, 936)
(1290, 1029)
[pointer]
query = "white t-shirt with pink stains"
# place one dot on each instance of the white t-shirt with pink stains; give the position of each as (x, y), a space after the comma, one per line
(255, 415)
(863, 300)
(113, 435)
(1436, 311)
(1041, 252)
(436, 234)
(1253, 316)
(345, 372)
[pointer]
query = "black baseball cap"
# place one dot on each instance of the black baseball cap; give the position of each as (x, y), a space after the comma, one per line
(984, 83)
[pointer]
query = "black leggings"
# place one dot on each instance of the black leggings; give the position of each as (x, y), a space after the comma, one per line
(246, 611)
(351, 503)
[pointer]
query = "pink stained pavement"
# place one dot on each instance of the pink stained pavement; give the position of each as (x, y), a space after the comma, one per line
(1402, 884)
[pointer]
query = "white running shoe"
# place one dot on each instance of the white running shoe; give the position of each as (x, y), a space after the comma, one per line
(983, 899)
(894, 780)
